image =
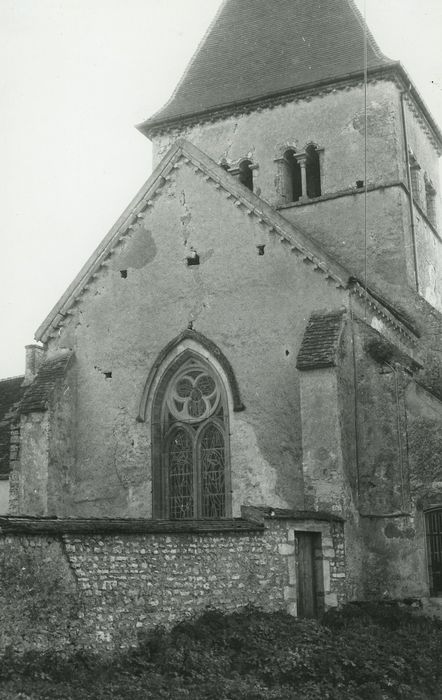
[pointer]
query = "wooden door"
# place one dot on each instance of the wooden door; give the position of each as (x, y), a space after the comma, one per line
(306, 543)
(434, 542)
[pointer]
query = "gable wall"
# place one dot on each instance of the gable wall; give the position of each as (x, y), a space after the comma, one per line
(253, 307)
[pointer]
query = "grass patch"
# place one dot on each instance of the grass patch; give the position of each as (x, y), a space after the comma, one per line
(365, 651)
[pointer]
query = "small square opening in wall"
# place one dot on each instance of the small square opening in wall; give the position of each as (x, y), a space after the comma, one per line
(123, 274)
(108, 375)
(193, 258)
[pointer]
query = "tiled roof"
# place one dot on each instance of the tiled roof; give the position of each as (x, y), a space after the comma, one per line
(94, 526)
(11, 392)
(257, 48)
(38, 393)
(321, 340)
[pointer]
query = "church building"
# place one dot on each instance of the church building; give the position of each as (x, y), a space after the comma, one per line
(257, 342)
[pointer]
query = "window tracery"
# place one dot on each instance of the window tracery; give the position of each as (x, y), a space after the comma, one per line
(193, 435)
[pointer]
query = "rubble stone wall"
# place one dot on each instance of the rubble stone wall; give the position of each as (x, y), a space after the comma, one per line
(105, 590)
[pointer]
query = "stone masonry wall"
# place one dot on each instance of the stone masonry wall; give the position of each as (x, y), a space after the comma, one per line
(131, 583)
(103, 591)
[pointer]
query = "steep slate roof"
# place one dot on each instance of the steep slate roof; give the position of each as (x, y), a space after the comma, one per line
(321, 340)
(38, 393)
(257, 48)
(11, 392)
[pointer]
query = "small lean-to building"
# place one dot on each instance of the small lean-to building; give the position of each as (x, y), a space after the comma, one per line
(258, 338)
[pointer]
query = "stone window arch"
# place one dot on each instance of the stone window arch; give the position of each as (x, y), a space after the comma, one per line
(300, 174)
(292, 176)
(244, 170)
(245, 173)
(313, 172)
(190, 442)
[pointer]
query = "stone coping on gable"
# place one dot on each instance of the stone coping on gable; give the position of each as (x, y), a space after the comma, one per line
(94, 526)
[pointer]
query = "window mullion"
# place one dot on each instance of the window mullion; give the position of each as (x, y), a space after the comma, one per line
(196, 479)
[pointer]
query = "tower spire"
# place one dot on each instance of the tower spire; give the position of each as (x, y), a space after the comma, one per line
(256, 49)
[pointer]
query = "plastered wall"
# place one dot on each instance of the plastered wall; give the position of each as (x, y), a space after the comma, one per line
(253, 307)
(334, 121)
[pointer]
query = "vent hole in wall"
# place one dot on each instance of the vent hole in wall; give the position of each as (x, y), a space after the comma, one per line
(123, 274)
(193, 258)
(287, 353)
(108, 375)
(260, 249)
(359, 184)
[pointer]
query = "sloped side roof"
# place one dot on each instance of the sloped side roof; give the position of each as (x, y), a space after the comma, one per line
(11, 391)
(257, 48)
(37, 395)
(321, 340)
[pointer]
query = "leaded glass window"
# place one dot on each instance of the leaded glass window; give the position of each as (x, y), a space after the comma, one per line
(180, 474)
(195, 445)
(212, 458)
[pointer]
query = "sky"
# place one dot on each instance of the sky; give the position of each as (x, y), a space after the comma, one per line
(75, 77)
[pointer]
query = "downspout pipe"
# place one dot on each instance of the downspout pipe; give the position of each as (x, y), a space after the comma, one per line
(410, 191)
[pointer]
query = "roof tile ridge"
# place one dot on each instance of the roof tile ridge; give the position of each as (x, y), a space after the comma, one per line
(189, 65)
(10, 379)
(54, 362)
(37, 392)
(321, 341)
(365, 28)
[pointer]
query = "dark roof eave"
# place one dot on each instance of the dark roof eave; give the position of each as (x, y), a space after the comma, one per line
(150, 125)
(31, 525)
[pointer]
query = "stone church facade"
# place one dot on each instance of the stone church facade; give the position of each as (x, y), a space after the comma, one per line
(256, 344)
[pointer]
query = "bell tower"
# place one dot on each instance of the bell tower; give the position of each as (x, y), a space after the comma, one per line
(298, 102)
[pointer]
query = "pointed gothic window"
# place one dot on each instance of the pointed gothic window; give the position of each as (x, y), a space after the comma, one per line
(193, 434)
